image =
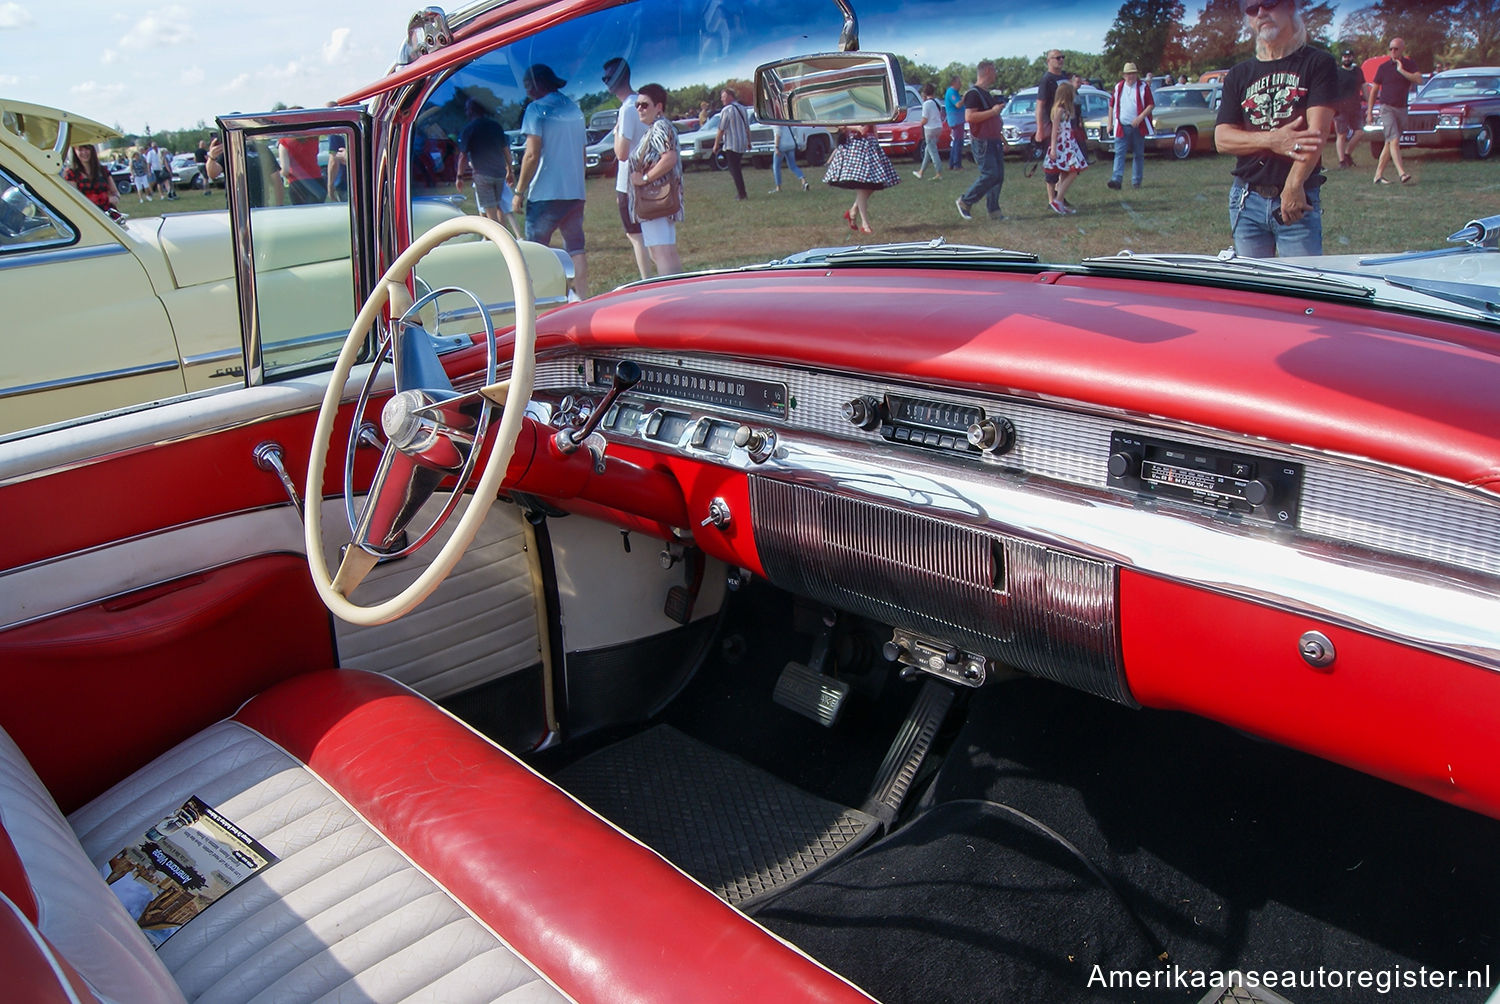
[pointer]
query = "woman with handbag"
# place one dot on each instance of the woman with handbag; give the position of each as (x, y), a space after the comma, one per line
(656, 180)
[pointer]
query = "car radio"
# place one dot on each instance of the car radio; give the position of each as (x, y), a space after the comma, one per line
(1222, 480)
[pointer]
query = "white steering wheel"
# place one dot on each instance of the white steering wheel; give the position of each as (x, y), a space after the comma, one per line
(432, 433)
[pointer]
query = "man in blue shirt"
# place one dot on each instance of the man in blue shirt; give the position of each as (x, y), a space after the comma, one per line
(550, 186)
(953, 108)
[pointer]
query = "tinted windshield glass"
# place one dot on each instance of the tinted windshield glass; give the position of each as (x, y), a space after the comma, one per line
(696, 51)
(1447, 88)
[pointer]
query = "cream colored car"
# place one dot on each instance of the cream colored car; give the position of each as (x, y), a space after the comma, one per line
(103, 314)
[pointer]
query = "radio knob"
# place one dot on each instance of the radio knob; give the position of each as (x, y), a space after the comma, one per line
(993, 436)
(863, 411)
(1259, 492)
(1121, 465)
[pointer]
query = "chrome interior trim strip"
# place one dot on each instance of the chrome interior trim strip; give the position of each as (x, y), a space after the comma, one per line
(493, 309)
(62, 255)
(1032, 607)
(1417, 605)
(1345, 499)
(169, 365)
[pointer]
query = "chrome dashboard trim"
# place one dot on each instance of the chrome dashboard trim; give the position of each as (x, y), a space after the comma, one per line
(1393, 553)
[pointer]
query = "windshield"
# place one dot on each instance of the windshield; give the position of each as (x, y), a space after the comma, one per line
(748, 206)
(1452, 88)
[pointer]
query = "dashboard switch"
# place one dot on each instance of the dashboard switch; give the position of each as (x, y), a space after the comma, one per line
(759, 443)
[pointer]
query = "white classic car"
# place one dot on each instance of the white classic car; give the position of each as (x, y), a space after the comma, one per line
(143, 310)
(911, 622)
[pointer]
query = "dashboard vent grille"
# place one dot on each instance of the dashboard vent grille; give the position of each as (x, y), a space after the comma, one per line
(1035, 608)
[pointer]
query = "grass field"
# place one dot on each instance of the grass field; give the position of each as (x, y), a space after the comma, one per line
(1181, 207)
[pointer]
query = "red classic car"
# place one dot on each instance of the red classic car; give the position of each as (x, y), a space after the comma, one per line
(907, 137)
(912, 622)
(1456, 108)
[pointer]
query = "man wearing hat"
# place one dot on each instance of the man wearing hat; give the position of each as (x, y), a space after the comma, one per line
(1130, 120)
(1276, 110)
(1346, 117)
(550, 186)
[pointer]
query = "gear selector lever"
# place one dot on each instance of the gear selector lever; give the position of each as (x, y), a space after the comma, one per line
(627, 375)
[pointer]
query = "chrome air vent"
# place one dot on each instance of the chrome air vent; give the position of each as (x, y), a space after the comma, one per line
(1035, 608)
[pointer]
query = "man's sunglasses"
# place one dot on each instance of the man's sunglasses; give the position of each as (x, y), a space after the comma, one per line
(1256, 8)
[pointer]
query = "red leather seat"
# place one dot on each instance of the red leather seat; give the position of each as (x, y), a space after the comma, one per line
(413, 854)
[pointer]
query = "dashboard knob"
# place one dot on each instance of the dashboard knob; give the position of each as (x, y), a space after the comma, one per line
(1121, 465)
(1259, 492)
(992, 435)
(863, 412)
(892, 651)
(759, 443)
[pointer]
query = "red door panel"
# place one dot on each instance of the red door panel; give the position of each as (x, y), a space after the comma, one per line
(94, 693)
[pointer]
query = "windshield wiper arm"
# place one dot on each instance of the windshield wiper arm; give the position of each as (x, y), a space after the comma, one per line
(1466, 294)
(1267, 272)
(935, 251)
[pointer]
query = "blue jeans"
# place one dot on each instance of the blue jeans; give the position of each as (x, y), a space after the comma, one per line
(791, 162)
(1132, 141)
(989, 154)
(1257, 235)
(956, 146)
(930, 150)
(545, 218)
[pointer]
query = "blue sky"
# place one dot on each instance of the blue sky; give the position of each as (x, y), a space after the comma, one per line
(173, 65)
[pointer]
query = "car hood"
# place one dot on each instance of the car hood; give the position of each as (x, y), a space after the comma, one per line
(42, 134)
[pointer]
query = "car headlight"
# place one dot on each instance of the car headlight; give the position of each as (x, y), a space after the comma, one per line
(1451, 119)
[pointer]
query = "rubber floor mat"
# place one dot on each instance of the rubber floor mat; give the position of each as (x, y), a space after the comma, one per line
(740, 831)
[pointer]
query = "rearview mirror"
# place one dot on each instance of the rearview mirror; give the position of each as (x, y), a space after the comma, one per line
(830, 89)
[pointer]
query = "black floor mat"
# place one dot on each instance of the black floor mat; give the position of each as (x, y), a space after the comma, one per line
(732, 826)
(966, 903)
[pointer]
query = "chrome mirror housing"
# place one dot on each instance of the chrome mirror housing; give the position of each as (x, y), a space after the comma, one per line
(830, 89)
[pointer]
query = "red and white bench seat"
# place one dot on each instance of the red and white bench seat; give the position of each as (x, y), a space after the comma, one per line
(417, 861)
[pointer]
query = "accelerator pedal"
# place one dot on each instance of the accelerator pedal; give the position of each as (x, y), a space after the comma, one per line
(912, 744)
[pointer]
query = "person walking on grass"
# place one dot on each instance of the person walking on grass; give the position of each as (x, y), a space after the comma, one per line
(932, 131)
(987, 136)
(628, 132)
(1130, 115)
(786, 149)
(1064, 156)
(734, 137)
(1393, 80)
(953, 108)
(860, 165)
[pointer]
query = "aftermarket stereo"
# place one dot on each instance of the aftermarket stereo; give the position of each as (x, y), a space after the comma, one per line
(1211, 478)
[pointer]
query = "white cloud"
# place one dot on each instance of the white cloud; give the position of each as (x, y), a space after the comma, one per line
(94, 89)
(9, 80)
(237, 83)
(13, 15)
(108, 56)
(164, 26)
(193, 76)
(336, 49)
(290, 71)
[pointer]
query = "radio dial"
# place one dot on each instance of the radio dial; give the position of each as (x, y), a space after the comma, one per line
(992, 436)
(863, 411)
(1122, 465)
(1259, 492)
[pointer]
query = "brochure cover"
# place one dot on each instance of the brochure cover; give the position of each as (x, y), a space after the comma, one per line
(181, 865)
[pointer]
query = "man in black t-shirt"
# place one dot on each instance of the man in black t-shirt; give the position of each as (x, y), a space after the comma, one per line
(1346, 115)
(1276, 110)
(1393, 80)
(1046, 92)
(987, 137)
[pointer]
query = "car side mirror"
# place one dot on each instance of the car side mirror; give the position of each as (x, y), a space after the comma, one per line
(830, 89)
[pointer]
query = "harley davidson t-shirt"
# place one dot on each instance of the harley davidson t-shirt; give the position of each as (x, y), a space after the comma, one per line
(1261, 96)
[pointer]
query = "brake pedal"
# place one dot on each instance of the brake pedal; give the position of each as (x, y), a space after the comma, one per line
(808, 692)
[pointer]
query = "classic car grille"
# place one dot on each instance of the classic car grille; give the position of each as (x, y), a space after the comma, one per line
(1421, 123)
(1038, 609)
